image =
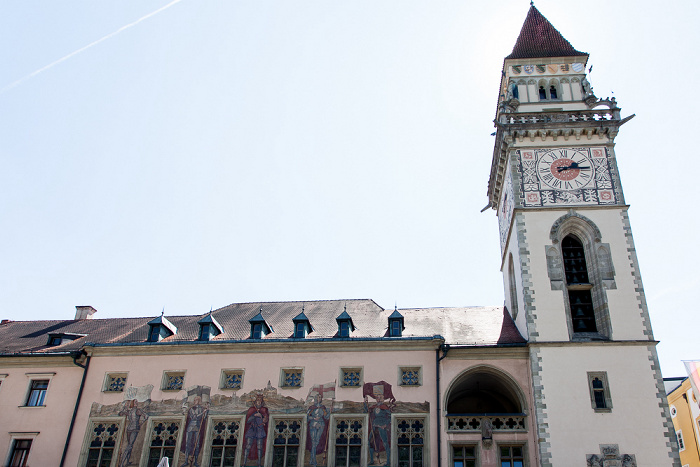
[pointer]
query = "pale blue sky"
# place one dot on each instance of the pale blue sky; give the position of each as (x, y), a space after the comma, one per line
(235, 151)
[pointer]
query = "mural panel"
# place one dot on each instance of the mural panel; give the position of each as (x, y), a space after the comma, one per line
(226, 430)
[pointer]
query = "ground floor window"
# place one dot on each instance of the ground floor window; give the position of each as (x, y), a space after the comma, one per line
(224, 441)
(163, 441)
(103, 438)
(463, 456)
(285, 451)
(20, 452)
(512, 456)
(410, 440)
(348, 442)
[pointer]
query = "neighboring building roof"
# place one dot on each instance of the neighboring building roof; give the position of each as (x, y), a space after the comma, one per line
(538, 38)
(673, 383)
(466, 326)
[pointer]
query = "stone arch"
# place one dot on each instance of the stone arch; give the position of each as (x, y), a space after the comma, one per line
(599, 266)
(484, 389)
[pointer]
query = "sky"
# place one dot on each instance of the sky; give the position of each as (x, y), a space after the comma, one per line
(184, 155)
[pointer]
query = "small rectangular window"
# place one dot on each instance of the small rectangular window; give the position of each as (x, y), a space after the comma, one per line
(599, 391)
(463, 456)
(37, 392)
(20, 452)
(173, 380)
(410, 376)
(395, 328)
(681, 443)
(231, 379)
(292, 377)
(257, 331)
(300, 330)
(350, 377)
(344, 329)
(512, 456)
(115, 382)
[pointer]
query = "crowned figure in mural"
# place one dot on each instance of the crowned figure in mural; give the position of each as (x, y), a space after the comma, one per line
(256, 421)
(379, 421)
(317, 416)
(197, 399)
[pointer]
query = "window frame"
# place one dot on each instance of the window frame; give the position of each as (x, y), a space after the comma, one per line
(395, 420)
(464, 445)
(209, 437)
(681, 441)
(418, 369)
(37, 377)
(601, 376)
(364, 419)
(115, 374)
(357, 369)
(283, 374)
(85, 449)
(146, 449)
(513, 458)
(231, 371)
(16, 436)
(167, 374)
(270, 449)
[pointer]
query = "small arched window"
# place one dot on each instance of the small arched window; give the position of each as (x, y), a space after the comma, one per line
(543, 93)
(515, 91)
(552, 92)
(578, 285)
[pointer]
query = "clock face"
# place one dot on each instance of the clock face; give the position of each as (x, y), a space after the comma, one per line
(565, 169)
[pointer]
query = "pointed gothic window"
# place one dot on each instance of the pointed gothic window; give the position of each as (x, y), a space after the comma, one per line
(578, 285)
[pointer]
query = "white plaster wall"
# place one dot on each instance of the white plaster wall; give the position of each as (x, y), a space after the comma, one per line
(60, 399)
(623, 305)
(635, 422)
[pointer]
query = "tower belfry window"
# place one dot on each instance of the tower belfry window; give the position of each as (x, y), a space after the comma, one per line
(578, 285)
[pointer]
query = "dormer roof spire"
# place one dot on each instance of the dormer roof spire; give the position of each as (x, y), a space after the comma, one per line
(538, 38)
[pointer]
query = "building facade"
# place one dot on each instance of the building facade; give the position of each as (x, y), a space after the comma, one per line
(685, 414)
(564, 374)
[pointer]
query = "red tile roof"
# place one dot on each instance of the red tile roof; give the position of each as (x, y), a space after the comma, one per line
(538, 38)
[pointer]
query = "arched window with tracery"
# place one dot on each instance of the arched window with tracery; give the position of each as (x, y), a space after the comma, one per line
(578, 285)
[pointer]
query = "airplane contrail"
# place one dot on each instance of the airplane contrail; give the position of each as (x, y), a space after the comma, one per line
(82, 49)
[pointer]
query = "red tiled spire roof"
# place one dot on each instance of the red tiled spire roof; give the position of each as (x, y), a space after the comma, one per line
(538, 38)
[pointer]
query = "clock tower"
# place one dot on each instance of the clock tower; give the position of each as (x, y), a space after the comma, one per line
(571, 276)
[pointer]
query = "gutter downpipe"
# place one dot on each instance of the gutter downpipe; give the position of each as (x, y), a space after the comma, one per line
(444, 348)
(76, 356)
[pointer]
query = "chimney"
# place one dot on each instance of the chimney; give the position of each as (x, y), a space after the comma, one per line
(84, 312)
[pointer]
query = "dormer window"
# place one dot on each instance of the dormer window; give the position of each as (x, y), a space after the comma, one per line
(345, 326)
(63, 337)
(259, 327)
(396, 326)
(160, 328)
(302, 326)
(209, 328)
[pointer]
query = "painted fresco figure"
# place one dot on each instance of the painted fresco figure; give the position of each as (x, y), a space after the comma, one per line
(135, 418)
(194, 431)
(317, 417)
(256, 421)
(379, 420)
